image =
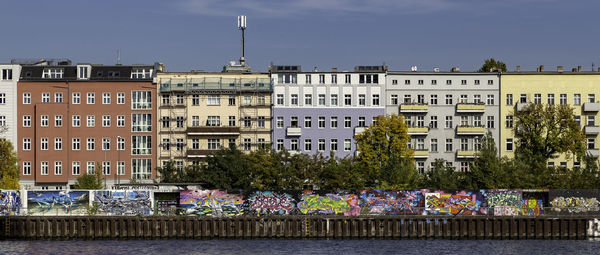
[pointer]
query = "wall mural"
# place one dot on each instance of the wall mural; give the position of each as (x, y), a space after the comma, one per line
(10, 202)
(166, 203)
(214, 203)
(456, 203)
(575, 201)
(390, 202)
(270, 203)
(330, 204)
(57, 202)
(502, 202)
(134, 202)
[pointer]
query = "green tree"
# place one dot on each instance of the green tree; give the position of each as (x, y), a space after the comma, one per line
(442, 176)
(491, 65)
(90, 181)
(169, 173)
(384, 144)
(485, 171)
(227, 169)
(8, 166)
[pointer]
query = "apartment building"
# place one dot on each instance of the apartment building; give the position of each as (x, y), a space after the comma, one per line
(200, 113)
(76, 119)
(321, 112)
(578, 89)
(9, 76)
(447, 113)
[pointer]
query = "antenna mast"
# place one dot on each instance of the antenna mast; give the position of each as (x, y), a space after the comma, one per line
(242, 26)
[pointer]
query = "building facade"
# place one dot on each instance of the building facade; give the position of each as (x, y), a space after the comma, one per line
(321, 112)
(447, 113)
(580, 90)
(200, 113)
(77, 119)
(9, 76)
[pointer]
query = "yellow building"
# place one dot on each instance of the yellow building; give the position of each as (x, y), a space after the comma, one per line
(200, 113)
(578, 89)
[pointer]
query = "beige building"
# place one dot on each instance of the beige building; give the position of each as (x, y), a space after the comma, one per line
(200, 113)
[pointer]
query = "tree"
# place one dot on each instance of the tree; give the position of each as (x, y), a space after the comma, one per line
(8, 166)
(491, 65)
(442, 176)
(544, 132)
(382, 142)
(169, 173)
(90, 181)
(485, 171)
(227, 169)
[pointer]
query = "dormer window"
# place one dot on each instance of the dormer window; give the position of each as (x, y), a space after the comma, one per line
(53, 73)
(141, 73)
(99, 74)
(83, 72)
(114, 74)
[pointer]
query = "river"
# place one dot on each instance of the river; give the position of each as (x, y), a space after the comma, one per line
(289, 247)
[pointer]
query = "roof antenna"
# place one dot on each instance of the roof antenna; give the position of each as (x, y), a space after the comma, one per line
(118, 57)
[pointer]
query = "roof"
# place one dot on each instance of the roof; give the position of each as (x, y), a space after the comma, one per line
(97, 73)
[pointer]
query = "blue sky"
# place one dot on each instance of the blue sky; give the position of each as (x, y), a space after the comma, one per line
(202, 34)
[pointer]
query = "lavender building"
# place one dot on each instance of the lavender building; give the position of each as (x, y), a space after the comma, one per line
(320, 112)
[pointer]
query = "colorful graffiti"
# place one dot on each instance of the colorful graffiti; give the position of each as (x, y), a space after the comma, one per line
(575, 204)
(10, 202)
(382, 202)
(214, 203)
(503, 202)
(123, 202)
(337, 204)
(462, 203)
(57, 202)
(166, 203)
(533, 204)
(270, 203)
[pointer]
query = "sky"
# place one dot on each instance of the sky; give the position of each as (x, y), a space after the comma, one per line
(203, 34)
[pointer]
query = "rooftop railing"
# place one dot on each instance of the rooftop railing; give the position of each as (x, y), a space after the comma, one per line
(216, 83)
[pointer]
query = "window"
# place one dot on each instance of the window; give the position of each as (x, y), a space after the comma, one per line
(577, 99)
(464, 144)
(121, 120)
(464, 120)
(334, 99)
(523, 98)
(279, 144)
(578, 120)
(321, 145)
(550, 98)
(91, 120)
(58, 143)
(591, 98)
(509, 99)
(307, 122)
(347, 99)
(105, 120)
(120, 143)
(120, 167)
(509, 144)
(2, 121)
(433, 122)
(591, 143)
(321, 121)
(248, 144)
(591, 120)
(213, 121)
(26, 98)
(334, 79)
(91, 145)
(91, 167)
(394, 82)
(106, 98)
(406, 82)
(448, 82)
(509, 121)
(6, 74)
(179, 144)
(212, 100)
(26, 144)
(464, 99)
(44, 143)
(58, 120)
(433, 145)
(141, 145)
(321, 99)
(321, 79)
(463, 82)
(214, 144)
(58, 97)
(105, 167)
(563, 98)
(179, 121)
(361, 99)
(247, 100)
(90, 98)
(166, 144)
(231, 100)
(166, 99)
(279, 99)
(247, 121)
(448, 145)
(477, 99)
(141, 73)
(347, 122)
(449, 99)
(76, 120)
(490, 99)
(308, 79)
(195, 143)
(448, 122)
(141, 100)
(52, 73)
(120, 98)
(490, 121)
(294, 99)
(375, 99)
(348, 79)
(262, 100)
(294, 121)
(420, 82)
(433, 82)
(333, 144)
(477, 121)
(334, 122)
(407, 99)
(433, 99)
(26, 120)
(45, 97)
(44, 120)
(362, 121)
(262, 143)
(44, 167)
(394, 99)
(105, 144)
(308, 99)
(231, 121)
(26, 167)
(294, 144)
(477, 82)
(279, 122)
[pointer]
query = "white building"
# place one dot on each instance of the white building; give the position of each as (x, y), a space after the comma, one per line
(9, 76)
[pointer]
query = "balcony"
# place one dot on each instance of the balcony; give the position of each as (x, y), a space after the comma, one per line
(470, 108)
(424, 153)
(591, 107)
(522, 106)
(359, 130)
(413, 108)
(593, 152)
(470, 130)
(228, 131)
(465, 154)
(200, 153)
(418, 130)
(293, 131)
(592, 130)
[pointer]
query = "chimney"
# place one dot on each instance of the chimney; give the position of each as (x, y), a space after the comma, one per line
(316, 69)
(334, 69)
(541, 68)
(518, 69)
(578, 69)
(559, 69)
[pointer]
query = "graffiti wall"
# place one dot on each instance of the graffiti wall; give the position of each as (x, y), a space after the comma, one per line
(270, 203)
(574, 201)
(166, 203)
(451, 203)
(534, 202)
(50, 202)
(129, 202)
(390, 202)
(10, 202)
(329, 204)
(502, 202)
(214, 203)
